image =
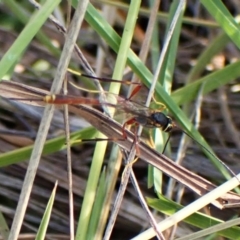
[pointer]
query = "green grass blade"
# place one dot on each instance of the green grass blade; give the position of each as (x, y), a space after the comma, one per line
(27, 34)
(211, 82)
(51, 146)
(167, 72)
(166, 78)
(110, 36)
(223, 17)
(4, 230)
(199, 220)
(23, 16)
(97, 208)
(41, 234)
(211, 50)
(83, 225)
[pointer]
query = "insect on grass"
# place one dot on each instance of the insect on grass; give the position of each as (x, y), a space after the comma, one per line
(140, 115)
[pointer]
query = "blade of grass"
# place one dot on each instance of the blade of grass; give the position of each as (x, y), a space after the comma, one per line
(121, 60)
(47, 115)
(97, 208)
(191, 208)
(23, 16)
(224, 18)
(41, 234)
(214, 231)
(197, 219)
(50, 146)
(166, 74)
(211, 82)
(153, 173)
(89, 198)
(105, 31)
(4, 230)
(162, 16)
(215, 46)
(17, 48)
(90, 193)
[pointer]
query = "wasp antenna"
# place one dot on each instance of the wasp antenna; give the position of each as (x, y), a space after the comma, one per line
(78, 73)
(25, 99)
(82, 88)
(165, 146)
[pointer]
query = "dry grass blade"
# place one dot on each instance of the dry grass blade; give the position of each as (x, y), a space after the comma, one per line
(82, 59)
(45, 123)
(113, 130)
